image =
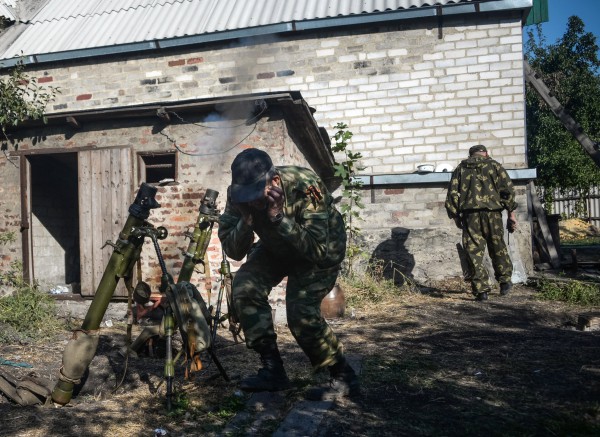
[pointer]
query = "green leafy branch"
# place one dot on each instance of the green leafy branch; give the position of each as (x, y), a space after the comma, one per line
(22, 98)
(351, 187)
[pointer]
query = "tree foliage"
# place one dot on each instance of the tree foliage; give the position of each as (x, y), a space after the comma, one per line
(22, 98)
(569, 67)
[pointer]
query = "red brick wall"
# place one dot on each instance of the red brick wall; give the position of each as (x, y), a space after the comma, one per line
(203, 161)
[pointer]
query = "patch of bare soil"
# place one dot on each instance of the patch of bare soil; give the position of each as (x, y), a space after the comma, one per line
(433, 364)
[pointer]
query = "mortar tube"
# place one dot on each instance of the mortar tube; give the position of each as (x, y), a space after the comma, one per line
(125, 253)
(199, 245)
(108, 283)
(117, 263)
(200, 238)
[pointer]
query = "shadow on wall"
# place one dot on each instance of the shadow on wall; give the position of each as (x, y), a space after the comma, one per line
(391, 258)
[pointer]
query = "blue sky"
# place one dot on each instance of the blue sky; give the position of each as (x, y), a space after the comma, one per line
(560, 10)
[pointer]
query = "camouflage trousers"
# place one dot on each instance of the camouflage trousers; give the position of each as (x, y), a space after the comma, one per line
(480, 229)
(307, 285)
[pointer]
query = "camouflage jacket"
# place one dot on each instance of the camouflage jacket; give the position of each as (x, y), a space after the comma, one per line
(479, 183)
(311, 230)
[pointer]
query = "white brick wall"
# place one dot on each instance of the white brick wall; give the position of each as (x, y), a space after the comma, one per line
(393, 81)
(408, 97)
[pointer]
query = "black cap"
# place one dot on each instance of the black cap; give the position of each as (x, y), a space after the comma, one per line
(249, 172)
(477, 148)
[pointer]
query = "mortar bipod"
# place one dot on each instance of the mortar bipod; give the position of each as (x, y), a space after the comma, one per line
(187, 311)
(233, 320)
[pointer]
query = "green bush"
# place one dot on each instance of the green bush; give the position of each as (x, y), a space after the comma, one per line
(27, 314)
(370, 287)
(574, 292)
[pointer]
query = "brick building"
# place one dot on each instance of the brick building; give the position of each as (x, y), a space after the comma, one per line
(417, 83)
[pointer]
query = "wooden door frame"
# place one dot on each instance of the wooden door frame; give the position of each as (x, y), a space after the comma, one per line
(25, 228)
(25, 185)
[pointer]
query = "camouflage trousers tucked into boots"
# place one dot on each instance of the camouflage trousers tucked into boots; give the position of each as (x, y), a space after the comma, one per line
(272, 376)
(343, 382)
(307, 285)
(480, 229)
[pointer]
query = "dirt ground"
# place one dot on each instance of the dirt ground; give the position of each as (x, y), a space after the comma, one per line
(435, 363)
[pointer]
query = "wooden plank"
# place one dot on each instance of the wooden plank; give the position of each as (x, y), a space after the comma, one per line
(26, 232)
(541, 216)
(113, 224)
(118, 202)
(106, 216)
(530, 214)
(96, 219)
(563, 116)
(84, 159)
(126, 172)
(115, 192)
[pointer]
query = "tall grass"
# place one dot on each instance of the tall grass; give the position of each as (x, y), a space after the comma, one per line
(27, 314)
(365, 289)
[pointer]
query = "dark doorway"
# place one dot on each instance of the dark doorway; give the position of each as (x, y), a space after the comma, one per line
(55, 220)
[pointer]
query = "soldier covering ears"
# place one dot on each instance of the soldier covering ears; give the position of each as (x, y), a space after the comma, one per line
(301, 236)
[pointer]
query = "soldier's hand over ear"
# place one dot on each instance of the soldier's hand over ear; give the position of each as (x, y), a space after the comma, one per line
(245, 212)
(241, 208)
(275, 199)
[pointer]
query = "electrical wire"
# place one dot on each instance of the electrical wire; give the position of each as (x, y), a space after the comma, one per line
(253, 120)
(211, 153)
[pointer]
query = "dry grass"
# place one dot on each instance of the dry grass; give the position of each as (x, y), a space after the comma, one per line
(577, 229)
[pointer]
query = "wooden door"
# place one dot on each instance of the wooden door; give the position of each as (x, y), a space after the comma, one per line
(105, 193)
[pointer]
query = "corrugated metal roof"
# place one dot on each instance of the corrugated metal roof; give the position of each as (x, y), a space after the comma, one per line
(245, 13)
(64, 26)
(7, 9)
(6, 13)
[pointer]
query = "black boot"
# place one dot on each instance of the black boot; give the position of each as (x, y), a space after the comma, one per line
(505, 288)
(482, 296)
(272, 376)
(343, 382)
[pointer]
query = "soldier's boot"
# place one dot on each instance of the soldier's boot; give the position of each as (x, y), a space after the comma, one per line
(343, 382)
(272, 376)
(481, 296)
(505, 288)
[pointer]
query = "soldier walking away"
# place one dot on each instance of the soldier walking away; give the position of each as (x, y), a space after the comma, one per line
(301, 236)
(479, 190)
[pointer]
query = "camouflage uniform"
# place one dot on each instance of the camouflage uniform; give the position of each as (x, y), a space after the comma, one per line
(479, 190)
(307, 246)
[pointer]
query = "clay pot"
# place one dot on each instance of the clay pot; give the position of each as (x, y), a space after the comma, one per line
(334, 304)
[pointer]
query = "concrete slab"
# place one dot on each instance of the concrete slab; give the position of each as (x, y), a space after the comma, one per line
(76, 307)
(304, 419)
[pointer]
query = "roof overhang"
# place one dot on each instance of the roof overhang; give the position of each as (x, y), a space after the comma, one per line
(417, 179)
(311, 139)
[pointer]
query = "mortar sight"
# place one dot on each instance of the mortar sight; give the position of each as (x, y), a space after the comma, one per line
(144, 202)
(209, 201)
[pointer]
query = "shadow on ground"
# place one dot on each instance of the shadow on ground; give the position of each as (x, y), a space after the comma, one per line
(432, 365)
